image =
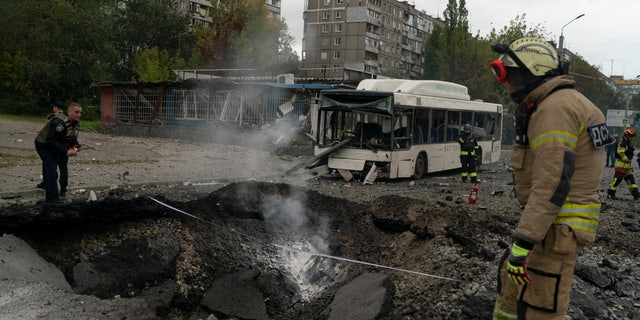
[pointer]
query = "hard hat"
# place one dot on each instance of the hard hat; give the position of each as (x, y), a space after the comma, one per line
(536, 55)
(466, 127)
(630, 132)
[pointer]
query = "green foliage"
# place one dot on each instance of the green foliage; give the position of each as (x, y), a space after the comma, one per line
(52, 49)
(453, 54)
(589, 82)
(139, 25)
(634, 102)
(243, 37)
(153, 65)
(89, 125)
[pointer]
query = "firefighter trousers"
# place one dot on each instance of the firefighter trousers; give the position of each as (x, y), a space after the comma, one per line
(468, 167)
(550, 266)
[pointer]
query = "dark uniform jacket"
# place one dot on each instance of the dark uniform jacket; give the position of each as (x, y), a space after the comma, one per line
(52, 135)
(468, 144)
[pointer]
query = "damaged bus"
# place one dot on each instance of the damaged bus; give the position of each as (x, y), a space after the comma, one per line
(390, 128)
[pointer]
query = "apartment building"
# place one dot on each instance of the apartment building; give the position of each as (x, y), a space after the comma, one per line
(274, 8)
(198, 10)
(360, 39)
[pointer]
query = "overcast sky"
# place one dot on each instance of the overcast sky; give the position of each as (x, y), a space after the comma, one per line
(607, 36)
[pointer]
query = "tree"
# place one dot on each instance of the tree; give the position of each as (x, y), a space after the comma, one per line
(243, 37)
(589, 82)
(433, 46)
(453, 54)
(634, 103)
(153, 65)
(51, 49)
(144, 24)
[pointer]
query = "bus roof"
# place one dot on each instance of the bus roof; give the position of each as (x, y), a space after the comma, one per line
(433, 88)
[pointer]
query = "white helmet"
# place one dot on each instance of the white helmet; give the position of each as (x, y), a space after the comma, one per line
(537, 55)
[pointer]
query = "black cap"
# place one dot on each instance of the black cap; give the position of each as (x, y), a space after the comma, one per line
(58, 104)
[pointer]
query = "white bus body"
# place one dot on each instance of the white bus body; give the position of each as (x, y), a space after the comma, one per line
(402, 128)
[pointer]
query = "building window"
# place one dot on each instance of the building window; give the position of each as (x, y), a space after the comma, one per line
(338, 27)
(327, 2)
(338, 14)
(326, 15)
(325, 28)
(336, 67)
(323, 56)
(339, 1)
(336, 54)
(370, 42)
(337, 41)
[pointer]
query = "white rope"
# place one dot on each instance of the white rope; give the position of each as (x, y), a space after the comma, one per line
(312, 253)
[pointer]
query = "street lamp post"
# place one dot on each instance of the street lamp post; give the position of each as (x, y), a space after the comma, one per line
(560, 47)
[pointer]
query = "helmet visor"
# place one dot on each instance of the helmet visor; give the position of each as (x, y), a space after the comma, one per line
(499, 71)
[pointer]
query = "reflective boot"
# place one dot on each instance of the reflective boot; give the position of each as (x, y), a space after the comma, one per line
(611, 194)
(635, 193)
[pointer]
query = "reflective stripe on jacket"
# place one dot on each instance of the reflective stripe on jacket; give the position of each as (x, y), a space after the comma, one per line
(582, 217)
(558, 176)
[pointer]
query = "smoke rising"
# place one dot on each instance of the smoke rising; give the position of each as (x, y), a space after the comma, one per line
(307, 231)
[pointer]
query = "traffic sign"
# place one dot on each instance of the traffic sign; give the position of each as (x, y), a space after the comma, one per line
(622, 118)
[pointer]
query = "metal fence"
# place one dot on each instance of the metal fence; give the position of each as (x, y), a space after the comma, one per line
(255, 106)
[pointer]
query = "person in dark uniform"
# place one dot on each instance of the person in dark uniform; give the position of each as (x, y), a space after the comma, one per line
(611, 152)
(71, 143)
(468, 149)
(50, 147)
(57, 111)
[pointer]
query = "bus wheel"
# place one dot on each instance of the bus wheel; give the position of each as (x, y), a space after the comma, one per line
(421, 167)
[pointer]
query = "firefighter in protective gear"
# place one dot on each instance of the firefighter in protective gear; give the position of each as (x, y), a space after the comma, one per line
(558, 163)
(624, 167)
(468, 153)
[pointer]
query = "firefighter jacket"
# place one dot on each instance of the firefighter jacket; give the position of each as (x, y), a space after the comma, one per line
(53, 134)
(624, 154)
(468, 144)
(558, 173)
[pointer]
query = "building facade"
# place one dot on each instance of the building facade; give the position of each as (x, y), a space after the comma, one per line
(274, 8)
(198, 11)
(361, 39)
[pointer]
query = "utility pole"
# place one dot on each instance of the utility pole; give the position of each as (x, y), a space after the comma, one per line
(611, 70)
(561, 48)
